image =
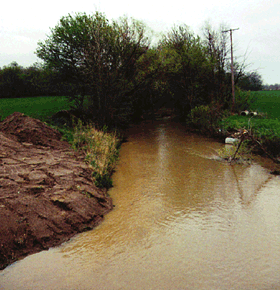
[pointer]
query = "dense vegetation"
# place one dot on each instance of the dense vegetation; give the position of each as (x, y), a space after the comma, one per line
(112, 75)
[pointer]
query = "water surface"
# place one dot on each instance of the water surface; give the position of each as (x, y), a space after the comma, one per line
(182, 220)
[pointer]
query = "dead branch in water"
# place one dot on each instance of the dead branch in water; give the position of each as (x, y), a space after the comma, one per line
(246, 135)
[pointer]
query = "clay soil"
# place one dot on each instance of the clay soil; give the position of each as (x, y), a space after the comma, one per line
(47, 194)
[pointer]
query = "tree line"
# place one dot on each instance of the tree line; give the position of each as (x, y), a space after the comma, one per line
(275, 87)
(35, 80)
(112, 73)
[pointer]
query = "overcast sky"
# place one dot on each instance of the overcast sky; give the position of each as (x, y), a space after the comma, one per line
(24, 23)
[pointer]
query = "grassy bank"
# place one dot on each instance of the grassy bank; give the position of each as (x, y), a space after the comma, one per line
(100, 149)
(99, 146)
(265, 126)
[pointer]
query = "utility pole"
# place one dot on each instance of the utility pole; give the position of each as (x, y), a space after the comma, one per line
(232, 71)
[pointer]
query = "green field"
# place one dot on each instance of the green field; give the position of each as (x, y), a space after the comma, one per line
(267, 102)
(38, 107)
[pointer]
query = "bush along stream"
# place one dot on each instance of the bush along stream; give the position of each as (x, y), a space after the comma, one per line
(100, 149)
(252, 128)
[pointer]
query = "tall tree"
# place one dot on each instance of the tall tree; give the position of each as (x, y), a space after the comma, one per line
(186, 68)
(64, 52)
(100, 59)
(111, 67)
(217, 49)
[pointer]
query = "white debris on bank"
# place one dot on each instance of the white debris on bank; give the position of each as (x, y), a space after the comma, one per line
(231, 140)
(247, 113)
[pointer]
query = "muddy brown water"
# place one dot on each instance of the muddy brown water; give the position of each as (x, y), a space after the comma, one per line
(182, 220)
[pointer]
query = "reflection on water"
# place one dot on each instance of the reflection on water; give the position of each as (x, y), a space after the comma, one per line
(181, 221)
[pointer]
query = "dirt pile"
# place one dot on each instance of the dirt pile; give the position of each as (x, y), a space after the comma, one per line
(46, 190)
(28, 130)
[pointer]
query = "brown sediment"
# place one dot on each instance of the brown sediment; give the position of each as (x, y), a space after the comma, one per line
(47, 194)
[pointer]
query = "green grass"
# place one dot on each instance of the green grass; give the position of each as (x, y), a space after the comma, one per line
(267, 102)
(100, 149)
(266, 126)
(37, 107)
(258, 126)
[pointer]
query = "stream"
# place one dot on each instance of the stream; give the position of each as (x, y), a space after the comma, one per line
(182, 220)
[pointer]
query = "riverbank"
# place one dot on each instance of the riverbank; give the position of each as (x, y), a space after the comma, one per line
(262, 131)
(47, 193)
(265, 130)
(193, 221)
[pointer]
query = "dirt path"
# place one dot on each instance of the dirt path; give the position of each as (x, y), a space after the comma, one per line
(46, 190)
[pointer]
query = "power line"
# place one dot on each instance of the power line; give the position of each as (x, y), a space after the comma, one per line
(232, 72)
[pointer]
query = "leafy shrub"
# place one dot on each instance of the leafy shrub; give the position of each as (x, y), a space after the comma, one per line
(206, 118)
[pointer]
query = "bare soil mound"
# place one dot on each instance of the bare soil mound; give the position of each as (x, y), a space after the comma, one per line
(46, 190)
(26, 129)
